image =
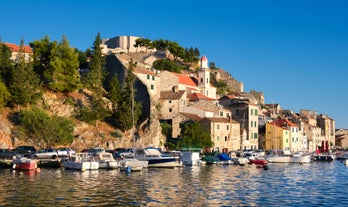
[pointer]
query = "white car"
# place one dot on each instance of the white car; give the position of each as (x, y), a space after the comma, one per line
(65, 152)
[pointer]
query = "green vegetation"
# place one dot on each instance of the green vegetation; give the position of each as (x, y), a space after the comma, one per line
(25, 85)
(127, 105)
(165, 64)
(45, 130)
(195, 135)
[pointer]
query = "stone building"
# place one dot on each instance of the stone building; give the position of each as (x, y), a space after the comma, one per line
(342, 138)
(224, 133)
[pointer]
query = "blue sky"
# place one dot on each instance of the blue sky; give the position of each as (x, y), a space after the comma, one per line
(294, 51)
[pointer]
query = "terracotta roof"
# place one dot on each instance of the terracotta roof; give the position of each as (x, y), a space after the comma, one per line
(284, 123)
(193, 117)
(144, 71)
(16, 48)
(198, 96)
(186, 80)
(171, 95)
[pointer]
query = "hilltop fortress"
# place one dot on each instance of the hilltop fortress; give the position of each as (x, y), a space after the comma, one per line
(238, 120)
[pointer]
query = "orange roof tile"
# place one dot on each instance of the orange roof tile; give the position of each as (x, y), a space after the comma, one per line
(144, 71)
(198, 96)
(16, 48)
(186, 80)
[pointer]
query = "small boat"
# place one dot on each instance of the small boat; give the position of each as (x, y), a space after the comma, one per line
(81, 161)
(191, 159)
(155, 158)
(24, 163)
(106, 160)
(132, 164)
(323, 157)
(287, 157)
(258, 161)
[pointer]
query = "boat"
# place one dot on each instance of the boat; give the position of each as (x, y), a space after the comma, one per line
(81, 161)
(191, 159)
(323, 157)
(287, 157)
(106, 160)
(258, 161)
(132, 164)
(24, 163)
(155, 158)
(221, 159)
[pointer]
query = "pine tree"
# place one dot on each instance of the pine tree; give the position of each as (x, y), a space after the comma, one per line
(127, 105)
(94, 80)
(95, 76)
(114, 93)
(26, 85)
(4, 94)
(63, 73)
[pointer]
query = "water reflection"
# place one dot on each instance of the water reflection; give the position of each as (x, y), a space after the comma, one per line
(321, 184)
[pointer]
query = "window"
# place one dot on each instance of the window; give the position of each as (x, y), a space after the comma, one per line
(256, 112)
(218, 126)
(251, 111)
(153, 78)
(201, 80)
(170, 110)
(225, 138)
(170, 101)
(293, 139)
(217, 138)
(255, 136)
(207, 80)
(152, 86)
(227, 127)
(287, 141)
(148, 77)
(221, 113)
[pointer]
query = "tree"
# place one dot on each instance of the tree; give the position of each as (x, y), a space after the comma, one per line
(42, 56)
(94, 80)
(6, 64)
(165, 64)
(95, 76)
(25, 85)
(114, 93)
(195, 135)
(127, 104)
(4, 94)
(43, 129)
(63, 74)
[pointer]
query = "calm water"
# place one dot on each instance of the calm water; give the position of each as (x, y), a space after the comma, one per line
(315, 184)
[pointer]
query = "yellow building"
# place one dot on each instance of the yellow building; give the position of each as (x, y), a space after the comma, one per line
(276, 137)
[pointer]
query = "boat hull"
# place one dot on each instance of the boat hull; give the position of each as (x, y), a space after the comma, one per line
(84, 165)
(24, 164)
(162, 162)
(133, 164)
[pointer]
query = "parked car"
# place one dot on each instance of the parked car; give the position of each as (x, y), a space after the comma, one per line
(25, 151)
(48, 153)
(6, 154)
(65, 152)
(94, 151)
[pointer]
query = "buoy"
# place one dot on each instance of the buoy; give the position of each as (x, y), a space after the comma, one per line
(129, 169)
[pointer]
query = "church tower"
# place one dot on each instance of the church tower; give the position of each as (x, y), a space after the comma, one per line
(204, 78)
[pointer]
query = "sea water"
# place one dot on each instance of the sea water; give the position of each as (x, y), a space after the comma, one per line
(313, 184)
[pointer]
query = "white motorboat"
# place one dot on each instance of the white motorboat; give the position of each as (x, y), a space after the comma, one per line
(81, 161)
(132, 164)
(155, 158)
(106, 160)
(287, 157)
